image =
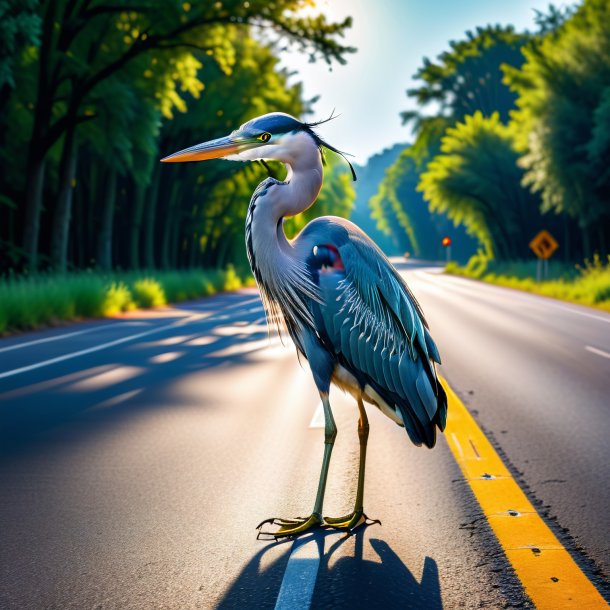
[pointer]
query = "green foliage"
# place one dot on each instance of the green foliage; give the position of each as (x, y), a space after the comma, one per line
(453, 159)
(475, 180)
(468, 77)
(392, 214)
(92, 90)
(369, 179)
(148, 293)
(563, 121)
(41, 300)
(117, 298)
(589, 285)
(19, 29)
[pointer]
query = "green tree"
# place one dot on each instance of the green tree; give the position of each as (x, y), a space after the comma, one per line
(563, 121)
(475, 180)
(401, 212)
(204, 206)
(465, 79)
(83, 44)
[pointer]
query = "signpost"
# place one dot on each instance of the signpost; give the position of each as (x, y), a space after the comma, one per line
(543, 245)
(446, 242)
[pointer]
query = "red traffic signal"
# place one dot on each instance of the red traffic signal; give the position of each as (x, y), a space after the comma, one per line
(446, 241)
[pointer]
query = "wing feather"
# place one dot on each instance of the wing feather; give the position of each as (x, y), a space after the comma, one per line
(375, 323)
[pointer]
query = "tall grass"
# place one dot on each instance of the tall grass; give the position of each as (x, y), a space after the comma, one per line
(46, 299)
(587, 285)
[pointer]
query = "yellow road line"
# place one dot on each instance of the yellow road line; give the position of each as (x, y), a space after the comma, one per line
(550, 576)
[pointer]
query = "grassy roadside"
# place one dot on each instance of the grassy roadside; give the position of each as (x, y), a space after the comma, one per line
(31, 302)
(588, 285)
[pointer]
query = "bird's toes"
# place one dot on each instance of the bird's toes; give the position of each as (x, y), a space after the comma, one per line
(349, 523)
(288, 527)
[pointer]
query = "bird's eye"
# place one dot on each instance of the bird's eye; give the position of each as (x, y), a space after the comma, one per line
(264, 137)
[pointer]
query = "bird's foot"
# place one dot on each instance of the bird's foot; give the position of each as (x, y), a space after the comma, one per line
(288, 527)
(349, 523)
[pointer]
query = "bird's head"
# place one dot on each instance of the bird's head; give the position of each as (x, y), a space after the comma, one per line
(276, 136)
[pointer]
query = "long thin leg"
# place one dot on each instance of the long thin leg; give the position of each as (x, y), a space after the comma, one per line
(363, 435)
(330, 433)
(293, 527)
(350, 522)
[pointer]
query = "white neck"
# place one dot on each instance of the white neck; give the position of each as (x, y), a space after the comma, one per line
(302, 185)
(271, 255)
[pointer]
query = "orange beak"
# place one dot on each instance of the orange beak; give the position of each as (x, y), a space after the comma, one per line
(214, 149)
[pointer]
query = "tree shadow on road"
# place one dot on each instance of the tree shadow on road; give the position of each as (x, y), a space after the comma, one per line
(234, 332)
(349, 582)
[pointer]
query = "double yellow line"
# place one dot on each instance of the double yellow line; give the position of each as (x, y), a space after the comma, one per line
(550, 576)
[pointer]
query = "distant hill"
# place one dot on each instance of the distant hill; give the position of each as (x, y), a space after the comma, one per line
(369, 178)
(428, 229)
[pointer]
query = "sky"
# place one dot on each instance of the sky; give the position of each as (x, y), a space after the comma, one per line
(392, 37)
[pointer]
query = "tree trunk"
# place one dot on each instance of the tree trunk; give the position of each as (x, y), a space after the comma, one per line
(136, 226)
(193, 250)
(38, 148)
(601, 242)
(586, 243)
(566, 238)
(63, 210)
(149, 221)
(168, 226)
(104, 244)
(175, 250)
(35, 173)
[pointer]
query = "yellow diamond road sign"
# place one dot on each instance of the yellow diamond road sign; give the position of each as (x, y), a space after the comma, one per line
(544, 245)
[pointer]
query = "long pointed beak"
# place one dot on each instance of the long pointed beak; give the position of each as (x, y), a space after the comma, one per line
(214, 149)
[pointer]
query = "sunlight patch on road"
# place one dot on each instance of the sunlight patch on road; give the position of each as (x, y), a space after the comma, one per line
(242, 348)
(165, 357)
(175, 340)
(200, 341)
(109, 378)
(115, 400)
(237, 329)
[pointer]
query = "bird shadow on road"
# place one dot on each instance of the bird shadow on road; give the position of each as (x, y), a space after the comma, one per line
(354, 580)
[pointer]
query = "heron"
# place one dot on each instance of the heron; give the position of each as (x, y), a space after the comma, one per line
(348, 311)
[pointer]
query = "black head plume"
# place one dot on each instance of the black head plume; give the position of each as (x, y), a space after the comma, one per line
(309, 127)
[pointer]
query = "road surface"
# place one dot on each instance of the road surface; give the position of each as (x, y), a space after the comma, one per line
(137, 456)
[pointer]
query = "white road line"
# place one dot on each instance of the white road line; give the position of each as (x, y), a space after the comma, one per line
(581, 313)
(64, 336)
(300, 576)
(599, 352)
(97, 348)
(317, 421)
(465, 284)
(105, 326)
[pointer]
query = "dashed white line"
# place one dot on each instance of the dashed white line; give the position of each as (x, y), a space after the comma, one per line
(317, 421)
(464, 285)
(599, 352)
(63, 336)
(299, 580)
(97, 348)
(58, 337)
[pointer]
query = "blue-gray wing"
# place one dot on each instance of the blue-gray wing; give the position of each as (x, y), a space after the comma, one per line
(373, 323)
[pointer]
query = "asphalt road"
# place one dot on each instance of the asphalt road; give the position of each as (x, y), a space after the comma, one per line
(136, 457)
